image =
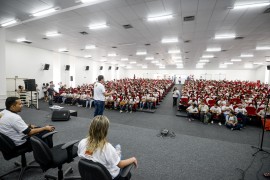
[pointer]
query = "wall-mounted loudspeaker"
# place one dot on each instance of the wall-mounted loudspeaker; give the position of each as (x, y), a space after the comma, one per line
(110, 67)
(87, 68)
(71, 78)
(116, 68)
(67, 67)
(30, 84)
(46, 67)
(268, 67)
(101, 67)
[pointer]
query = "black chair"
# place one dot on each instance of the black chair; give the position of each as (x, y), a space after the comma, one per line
(54, 157)
(91, 170)
(10, 151)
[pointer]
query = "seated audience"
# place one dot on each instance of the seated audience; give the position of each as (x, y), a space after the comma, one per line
(215, 113)
(204, 113)
(242, 114)
(192, 112)
(232, 123)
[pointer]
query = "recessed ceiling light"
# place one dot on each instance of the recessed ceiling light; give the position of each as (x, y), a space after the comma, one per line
(251, 5)
(9, 23)
(111, 54)
(208, 56)
(63, 50)
(247, 55)
(213, 49)
(228, 63)
(263, 48)
(236, 60)
(158, 18)
(225, 36)
(204, 60)
(98, 26)
(248, 66)
(132, 62)
(144, 67)
(121, 65)
(222, 66)
(103, 60)
(174, 51)
(87, 56)
(141, 53)
(44, 12)
(154, 62)
(128, 67)
(257, 63)
(90, 47)
(21, 40)
(267, 59)
(51, 34)
(149, 58)
(172, 40)
(124, 59)
(176, 57)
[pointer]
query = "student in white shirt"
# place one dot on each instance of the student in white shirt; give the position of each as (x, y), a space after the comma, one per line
(96, 148)
(192, 112)
(215, 111)
(241, 113)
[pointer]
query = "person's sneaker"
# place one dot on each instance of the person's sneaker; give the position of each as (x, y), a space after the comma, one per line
(130, 112)
(189, 119)
(212, 122)
(121, 111)
(219, 123)
(231, 129)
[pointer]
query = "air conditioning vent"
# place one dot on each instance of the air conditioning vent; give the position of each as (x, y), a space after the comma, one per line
(45, 38)
(114, 47)
(223, 50)
(189, 18)
(239, 38)
(187, 41)
(27, 42)
(127, 26)
(148, 44)
(84, 33)
(266, 11)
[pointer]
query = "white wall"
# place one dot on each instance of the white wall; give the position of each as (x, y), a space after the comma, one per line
(27, 62)
(252, 75)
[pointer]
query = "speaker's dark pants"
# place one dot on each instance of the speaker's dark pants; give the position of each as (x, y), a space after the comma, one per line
(99, 107)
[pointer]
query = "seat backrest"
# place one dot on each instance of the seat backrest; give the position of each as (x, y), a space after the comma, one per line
(251, 110)
(7, 147)
(90, 170)
(42, 153)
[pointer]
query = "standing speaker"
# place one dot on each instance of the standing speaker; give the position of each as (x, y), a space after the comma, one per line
(87, 68)
(30, 84)
(67, 67)
(101, 67)
(268, 67)
(71, 78)
(46, 67)
(62, 115)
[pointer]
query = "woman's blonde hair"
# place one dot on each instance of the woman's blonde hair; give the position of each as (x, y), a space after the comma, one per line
(98, 133)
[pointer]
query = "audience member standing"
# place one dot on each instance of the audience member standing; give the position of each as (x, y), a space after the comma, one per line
(99, 96)
(176, 94)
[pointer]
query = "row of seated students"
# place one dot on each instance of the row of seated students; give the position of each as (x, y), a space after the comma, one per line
(224, 97)
(130, 94)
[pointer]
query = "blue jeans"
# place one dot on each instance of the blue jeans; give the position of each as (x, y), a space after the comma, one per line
(99, 107)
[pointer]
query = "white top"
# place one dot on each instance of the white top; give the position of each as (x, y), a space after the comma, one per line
(176, 93)
(190, 109)
(99, 91)
(12, 125)
(107, 157)
(215, 109)
(242, 110)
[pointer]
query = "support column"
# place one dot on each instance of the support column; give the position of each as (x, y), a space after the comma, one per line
(3, 81)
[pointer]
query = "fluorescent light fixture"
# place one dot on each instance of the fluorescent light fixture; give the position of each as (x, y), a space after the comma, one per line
(199, 67)
(179, 64)
(159, 18)
(173, 40)
(98, 26)
(144, 67)
(121, 65)
(51, 34)
(213, 49)
(154, 62)
(254, 5)
(141, 53)
(87, 56)
(257, 63)
(139, 64)
(200, 64)
(159, 64)
(111, 54)
(176, 57)
(222, 66)
(132, 62)
(62, 49)
(263, 48)
(41, 13)
(124, 59)
(149, 58)
(103, 60)
(204, 60)
(128, 67)
(236, 60)
(267, 59)
(21, 39)
(228, 63)
(178, 61)
(9, 23)
(161, 67)
(179, 67)
(174, 51)
(247, 55)
(225, 36)
(208, 56)
(87, 1)
(90, 46)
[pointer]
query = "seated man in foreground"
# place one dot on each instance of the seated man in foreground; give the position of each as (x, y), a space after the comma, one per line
(13, 126)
